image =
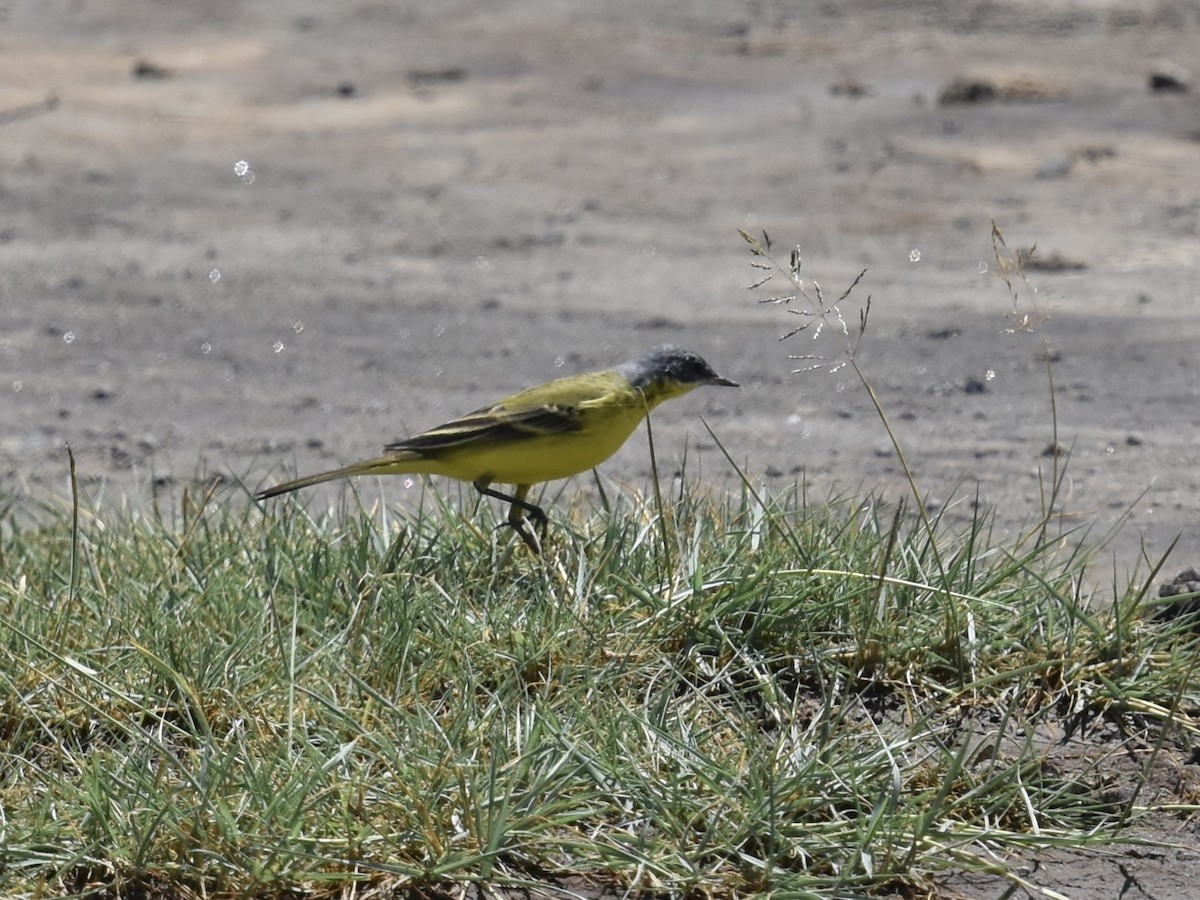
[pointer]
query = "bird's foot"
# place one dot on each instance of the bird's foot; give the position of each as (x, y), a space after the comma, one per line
(527, 534)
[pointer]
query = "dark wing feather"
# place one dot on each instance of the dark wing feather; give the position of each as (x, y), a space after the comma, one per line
(493, 424)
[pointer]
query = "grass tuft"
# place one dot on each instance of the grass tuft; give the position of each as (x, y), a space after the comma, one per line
(694, 694)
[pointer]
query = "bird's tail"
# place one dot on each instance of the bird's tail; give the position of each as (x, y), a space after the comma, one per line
(392, 464)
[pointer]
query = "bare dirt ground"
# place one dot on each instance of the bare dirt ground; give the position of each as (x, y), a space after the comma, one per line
(242, 238)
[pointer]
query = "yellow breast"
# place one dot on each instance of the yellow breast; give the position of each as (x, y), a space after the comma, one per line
(604, 427)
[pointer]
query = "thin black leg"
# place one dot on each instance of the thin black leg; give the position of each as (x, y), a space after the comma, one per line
(516, 513)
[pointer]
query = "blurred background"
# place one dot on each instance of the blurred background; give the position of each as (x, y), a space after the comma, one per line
(244, 239)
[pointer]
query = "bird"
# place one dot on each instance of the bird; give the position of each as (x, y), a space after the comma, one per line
(543, 433)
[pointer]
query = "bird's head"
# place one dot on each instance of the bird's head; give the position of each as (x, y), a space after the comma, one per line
(668, 371)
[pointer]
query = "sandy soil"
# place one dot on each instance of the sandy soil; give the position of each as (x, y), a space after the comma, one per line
(252, 238)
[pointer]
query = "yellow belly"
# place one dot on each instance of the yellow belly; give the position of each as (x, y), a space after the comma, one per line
(543, 457)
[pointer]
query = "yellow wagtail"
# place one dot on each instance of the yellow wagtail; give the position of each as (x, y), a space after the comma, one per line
(543, 433)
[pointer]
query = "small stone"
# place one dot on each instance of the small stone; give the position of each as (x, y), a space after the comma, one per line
(1169, 78)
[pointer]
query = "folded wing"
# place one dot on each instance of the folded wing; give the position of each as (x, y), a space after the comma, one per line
(493, 424)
